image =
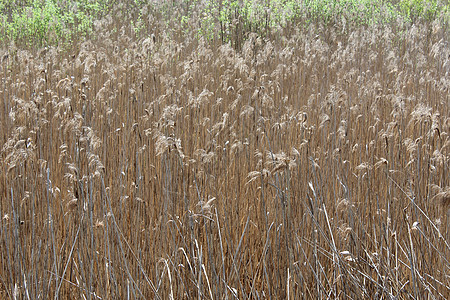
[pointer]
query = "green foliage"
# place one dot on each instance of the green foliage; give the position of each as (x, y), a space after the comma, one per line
(415, 9)
(350, 12)
(138, 25)
(234, 17)
(41, 22)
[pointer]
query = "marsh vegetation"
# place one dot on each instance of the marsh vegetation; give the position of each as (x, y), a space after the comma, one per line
(225, 150)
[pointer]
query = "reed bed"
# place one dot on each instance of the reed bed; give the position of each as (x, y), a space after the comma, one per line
(311, 164)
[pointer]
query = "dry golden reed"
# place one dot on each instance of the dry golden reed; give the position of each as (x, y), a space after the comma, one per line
(171, 167)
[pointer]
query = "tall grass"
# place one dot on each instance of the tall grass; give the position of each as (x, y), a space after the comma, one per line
(310, 164)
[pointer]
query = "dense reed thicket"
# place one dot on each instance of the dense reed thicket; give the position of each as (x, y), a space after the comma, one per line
(313, 163)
